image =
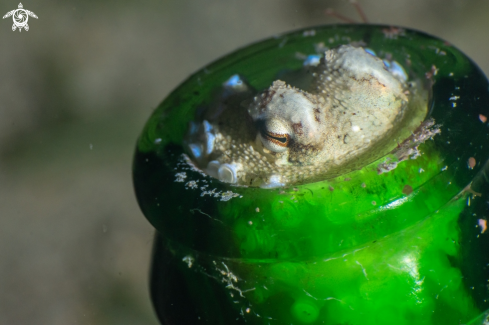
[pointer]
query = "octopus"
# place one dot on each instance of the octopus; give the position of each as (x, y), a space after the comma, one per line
(347, 109)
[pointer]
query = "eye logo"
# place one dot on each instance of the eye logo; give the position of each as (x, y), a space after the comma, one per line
(20, 17)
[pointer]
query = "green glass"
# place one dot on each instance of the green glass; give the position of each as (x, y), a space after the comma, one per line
(406, 246)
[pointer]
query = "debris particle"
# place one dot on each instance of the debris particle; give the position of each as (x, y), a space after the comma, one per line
(248, 310)
(483, 118)
(228, 195)
(407, 189)
(386, 167)
(331, 188)
(483, 225)
(257, 209)
(189, 260)
(364, 185)
(421, 170)
(211, 193)
(393, 32)
(471, 163)
(432, 72)
(444, 168)
(225, 196)
(180, 177)
(374, 203)
(192, 184)
(250, 222)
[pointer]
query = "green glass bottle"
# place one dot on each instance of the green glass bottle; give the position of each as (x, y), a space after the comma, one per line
(334, 175)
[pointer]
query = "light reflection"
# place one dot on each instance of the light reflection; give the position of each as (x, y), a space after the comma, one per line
(395, 203)
(312, 60)
(233, 81)
(410, 265)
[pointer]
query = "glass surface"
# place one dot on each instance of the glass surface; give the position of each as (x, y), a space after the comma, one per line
(398, 239)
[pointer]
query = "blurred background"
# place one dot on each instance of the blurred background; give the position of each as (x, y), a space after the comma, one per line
(75, 91)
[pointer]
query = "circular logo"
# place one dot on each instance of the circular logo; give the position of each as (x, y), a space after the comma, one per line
(20, 18)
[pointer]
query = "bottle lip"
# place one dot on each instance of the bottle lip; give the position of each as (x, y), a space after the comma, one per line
(220, 219)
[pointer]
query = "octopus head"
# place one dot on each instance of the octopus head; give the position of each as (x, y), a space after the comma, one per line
(288, 124)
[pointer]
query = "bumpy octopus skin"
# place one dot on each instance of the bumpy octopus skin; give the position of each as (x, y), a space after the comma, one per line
(285, 135)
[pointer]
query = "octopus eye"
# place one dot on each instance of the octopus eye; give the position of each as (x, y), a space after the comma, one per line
(274, 135)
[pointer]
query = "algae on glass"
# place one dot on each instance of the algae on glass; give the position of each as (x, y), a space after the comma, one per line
(334, 175)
